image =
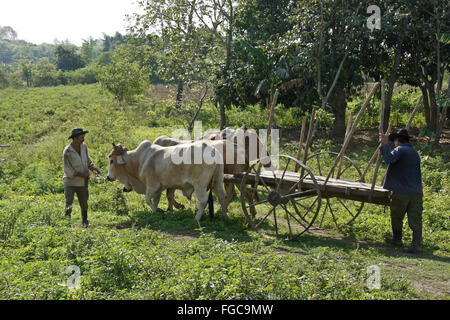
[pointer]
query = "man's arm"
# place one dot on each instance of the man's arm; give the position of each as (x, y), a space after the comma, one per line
(388, 156)
(91, 164)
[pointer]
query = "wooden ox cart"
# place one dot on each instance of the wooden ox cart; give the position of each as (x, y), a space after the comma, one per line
(300, 194)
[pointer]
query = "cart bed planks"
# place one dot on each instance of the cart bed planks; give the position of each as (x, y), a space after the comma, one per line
(340, 188)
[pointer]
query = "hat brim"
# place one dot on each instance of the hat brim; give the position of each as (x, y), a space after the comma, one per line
(78, 134)
(395, 135)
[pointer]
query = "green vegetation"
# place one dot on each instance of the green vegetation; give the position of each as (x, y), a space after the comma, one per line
(128, 252)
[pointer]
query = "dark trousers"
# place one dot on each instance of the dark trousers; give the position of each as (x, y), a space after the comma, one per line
(83, 197)
(406, 204)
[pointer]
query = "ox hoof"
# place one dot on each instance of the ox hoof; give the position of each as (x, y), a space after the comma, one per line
(161, 211)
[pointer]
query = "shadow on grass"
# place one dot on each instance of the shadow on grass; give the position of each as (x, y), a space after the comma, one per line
(181, 223)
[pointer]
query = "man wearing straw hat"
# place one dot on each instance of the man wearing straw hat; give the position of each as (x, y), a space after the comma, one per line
(404, 178)
(77, 163)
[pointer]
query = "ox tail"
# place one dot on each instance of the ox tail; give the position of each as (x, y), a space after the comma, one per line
(211, 205)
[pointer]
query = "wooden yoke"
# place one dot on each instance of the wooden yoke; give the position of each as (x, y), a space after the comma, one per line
(352, 131)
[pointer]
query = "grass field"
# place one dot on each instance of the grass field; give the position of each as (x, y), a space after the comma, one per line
(130, 253)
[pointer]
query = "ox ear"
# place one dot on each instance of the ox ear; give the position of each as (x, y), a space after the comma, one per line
(114, 145)
(120, 160)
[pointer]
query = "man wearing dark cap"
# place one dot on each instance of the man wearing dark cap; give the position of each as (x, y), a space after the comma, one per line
(404, 178)
(77, 163)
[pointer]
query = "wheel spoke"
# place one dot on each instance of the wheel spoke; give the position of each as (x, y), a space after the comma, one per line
(256, 203)
(318, 164)
(257, 190)
(334, 218)
(289, 223)
(282, 176)
(324, 211)
(299, 214)
(262, 180)
(345, 169)
(265, 217)
(307, 209)
(345, 207)
(296, 194)
(275, 220)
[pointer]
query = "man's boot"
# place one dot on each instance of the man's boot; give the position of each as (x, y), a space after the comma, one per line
(396, 239)
(416, 246)
(84, 217)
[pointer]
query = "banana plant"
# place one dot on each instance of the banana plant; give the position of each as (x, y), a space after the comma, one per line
(276, 79)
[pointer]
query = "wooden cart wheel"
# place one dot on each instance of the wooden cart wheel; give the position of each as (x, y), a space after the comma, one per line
(336, 211)
(280, 202)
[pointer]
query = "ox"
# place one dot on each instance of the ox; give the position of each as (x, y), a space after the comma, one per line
(229, 150)
(150, 169)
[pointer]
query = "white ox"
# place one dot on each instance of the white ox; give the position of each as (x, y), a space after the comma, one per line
(150, 169)
(232, 144)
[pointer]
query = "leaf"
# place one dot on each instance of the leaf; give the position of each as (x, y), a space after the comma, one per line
(281, 73)
(256, 52)
(259, 87)
(444, 103)
(444, 38)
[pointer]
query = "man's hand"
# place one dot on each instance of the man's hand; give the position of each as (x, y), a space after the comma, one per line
(95, 170)
(384, 139)
(83, 175)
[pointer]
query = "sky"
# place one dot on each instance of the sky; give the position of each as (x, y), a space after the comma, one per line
(39, 21)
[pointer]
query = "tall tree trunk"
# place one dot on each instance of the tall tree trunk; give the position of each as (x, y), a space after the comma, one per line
(426, 106)
(229, 41)
(223, 120)
(391, 84)
(433, 106)
(339, 106)
(442, 120)
(179, 98)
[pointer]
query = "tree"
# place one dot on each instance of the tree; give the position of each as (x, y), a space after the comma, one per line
(425, 59)
(179, 46)
(45, 74)
(3, 79)
(26, 68)
(406, 49)
(7, 33)
(123, 77)
(315, 41)
(87, 50)
(67, 58)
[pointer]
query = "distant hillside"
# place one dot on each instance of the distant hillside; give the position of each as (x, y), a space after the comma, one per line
(12, 51)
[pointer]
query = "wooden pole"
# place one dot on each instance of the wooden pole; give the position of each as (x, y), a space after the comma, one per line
(380, 131)
(416, 108)
(347, 131)
(272, 111)
(372, 159)
(308, 139)
(352, 131)
(302, 137)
